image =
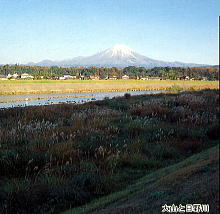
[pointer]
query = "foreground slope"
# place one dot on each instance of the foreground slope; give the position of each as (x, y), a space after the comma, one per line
(192, 181)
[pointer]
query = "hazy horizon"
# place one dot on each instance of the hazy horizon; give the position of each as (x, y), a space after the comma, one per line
(168, 30)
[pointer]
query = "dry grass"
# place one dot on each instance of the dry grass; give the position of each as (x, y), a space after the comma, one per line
(65, 155)
(37, 87)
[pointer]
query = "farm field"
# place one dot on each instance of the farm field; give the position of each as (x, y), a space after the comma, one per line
(58, 157)
(9, 87)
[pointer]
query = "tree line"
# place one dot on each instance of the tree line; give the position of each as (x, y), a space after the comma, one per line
(133, 72)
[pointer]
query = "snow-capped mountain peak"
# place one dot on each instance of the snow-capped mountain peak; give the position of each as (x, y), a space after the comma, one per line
(116, 56)
(120, 51)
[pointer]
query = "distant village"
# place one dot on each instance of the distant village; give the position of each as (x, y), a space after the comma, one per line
(26, 76)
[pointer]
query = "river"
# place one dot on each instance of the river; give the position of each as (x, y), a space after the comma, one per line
(11, 101)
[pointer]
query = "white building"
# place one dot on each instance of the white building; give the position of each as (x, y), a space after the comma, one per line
(144, 78)
(26, 76)
(125, 77)
(65, 77)
(12, 76)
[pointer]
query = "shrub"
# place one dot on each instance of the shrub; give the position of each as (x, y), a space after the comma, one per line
(174, 89)
(127, 95)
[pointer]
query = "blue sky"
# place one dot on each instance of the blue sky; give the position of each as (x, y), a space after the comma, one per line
(171, 30)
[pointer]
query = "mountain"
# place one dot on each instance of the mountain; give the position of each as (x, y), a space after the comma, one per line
(117, 56)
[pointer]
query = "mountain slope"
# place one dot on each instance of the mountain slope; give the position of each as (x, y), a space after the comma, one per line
(117, 56)
(192, 181)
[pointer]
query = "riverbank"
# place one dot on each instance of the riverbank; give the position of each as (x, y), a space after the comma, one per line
(81, 86)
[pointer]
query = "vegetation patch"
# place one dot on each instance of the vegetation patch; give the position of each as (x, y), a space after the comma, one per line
(58, 157)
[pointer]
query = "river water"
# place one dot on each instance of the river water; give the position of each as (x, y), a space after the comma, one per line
(11, 101)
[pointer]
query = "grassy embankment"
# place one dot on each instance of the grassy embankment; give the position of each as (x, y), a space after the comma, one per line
(66, 86)
(57, 157)
(191, 181)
